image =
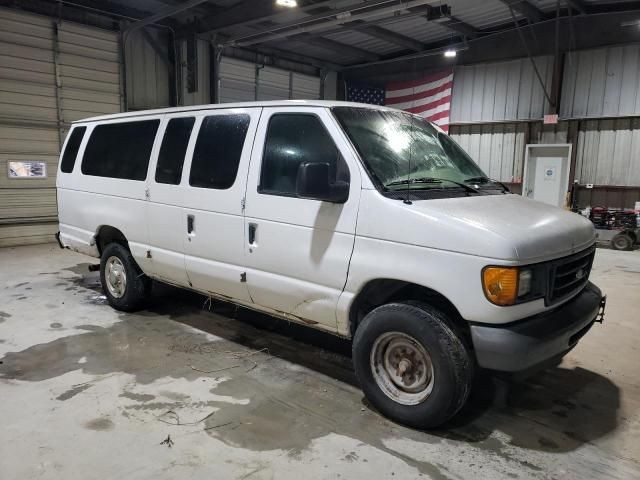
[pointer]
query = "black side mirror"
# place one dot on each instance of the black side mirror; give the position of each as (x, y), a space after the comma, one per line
(313, 183)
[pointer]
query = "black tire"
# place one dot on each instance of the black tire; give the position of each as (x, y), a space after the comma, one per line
(138, 285)
(622, 241)
(453, 366)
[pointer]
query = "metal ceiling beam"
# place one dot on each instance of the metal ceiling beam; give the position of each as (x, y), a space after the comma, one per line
(524, 8)
(578, 5)
(313, 23)
(234, 19)
(390, 36)
(336, 46)
(457, 25)
(164, 13)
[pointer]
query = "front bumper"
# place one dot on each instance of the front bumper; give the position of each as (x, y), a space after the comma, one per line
(531, 342)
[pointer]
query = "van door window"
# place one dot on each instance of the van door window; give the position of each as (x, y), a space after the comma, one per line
(218, 149)
(293, 139)
(71, 151)
(120, 150)
(173, 149)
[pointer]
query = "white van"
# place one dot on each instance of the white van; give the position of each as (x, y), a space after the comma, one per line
(363, 221)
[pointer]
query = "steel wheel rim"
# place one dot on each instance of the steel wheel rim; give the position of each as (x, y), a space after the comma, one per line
(115, 277)
(402, 368)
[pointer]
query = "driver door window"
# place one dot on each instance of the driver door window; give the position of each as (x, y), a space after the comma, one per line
(293, 139)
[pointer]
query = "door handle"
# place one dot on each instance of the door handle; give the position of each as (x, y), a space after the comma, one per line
(191, 224)
(253, 227)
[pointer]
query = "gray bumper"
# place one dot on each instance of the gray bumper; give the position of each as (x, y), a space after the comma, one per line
(530, 342)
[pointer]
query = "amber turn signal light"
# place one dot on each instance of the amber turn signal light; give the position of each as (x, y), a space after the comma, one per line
(500, 284)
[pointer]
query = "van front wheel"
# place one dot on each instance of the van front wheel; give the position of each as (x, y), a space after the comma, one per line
(411, 364)
(123, 283)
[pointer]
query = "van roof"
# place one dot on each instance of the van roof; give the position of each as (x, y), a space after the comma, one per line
(272, 103)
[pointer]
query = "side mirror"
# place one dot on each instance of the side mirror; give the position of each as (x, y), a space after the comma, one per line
(313, 183)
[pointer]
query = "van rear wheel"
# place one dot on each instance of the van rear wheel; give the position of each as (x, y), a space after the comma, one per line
(411, 364)
(124, 284)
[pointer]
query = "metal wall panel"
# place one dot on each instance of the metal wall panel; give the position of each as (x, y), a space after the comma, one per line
(28, 124)
(273, 84)
(147, 72)
(601, 83)
(305, 87)
(550, 133)
(237, 81)
(89, 63)
(608, 152)
(500, 91)
(202, 95)
(497, 148)
(50, 74)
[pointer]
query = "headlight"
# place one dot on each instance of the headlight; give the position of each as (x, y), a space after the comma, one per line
(524, 282)
(508, 285)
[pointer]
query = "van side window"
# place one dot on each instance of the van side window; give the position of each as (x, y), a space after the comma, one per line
(120, 150)
(71, 152)
(218, 149)
(292, 139)
(173, 149)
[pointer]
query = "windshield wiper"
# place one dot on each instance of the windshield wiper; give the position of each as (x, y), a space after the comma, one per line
(432, 180)
(482, 179)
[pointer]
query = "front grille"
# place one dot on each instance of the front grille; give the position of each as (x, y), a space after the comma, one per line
(569, 274)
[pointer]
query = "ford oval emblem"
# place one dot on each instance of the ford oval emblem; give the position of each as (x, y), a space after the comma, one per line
(579, 274)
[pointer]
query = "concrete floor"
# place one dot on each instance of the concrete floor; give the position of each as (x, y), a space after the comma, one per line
(87, 392)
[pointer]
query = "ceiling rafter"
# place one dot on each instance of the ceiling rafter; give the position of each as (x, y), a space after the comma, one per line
(390, 36)
(336, 46)
(524, 8)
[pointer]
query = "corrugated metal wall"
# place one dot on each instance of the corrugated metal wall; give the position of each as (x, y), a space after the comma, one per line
(147, 72)
(237, 83)
(89, 62)
(497, 148)
(608, 152)
(500, 91)
(28, 126)
(50, 75)
(601, 83)
(305, 87)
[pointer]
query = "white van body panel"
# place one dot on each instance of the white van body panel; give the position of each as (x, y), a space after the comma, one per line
(88, 202)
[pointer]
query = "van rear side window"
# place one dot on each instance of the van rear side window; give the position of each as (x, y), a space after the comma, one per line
(71, 151)
(120, 150)
(218, 149)
(174, 147)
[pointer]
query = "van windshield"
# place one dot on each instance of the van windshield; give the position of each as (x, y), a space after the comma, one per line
(404, 151)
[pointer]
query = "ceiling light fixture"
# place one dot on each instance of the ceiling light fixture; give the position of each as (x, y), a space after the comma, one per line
(450, 53)
(287, 3)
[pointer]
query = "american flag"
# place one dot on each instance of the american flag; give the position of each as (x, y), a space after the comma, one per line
(365, 94)
(429, 97)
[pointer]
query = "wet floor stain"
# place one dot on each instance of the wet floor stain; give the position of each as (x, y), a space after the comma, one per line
(138, 397)
(5, 315)
(72, 392)
(102, 424)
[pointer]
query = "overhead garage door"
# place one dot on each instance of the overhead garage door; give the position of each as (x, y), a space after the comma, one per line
(35, 111)
(242, 81)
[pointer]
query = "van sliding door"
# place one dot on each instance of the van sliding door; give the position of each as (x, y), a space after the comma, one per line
(165, 198)
(213, 230)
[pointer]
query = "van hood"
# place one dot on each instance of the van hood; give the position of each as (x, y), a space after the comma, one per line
(508, 227)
